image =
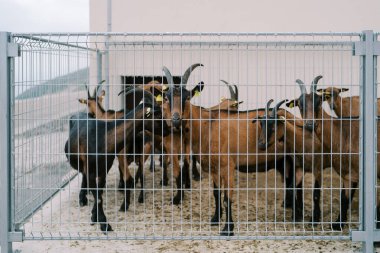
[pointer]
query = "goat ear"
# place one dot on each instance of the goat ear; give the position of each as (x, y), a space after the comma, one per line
(321, 90)
(292, 104)
(236, 103)
(101, 96)
(256, 119)
(82, 101)
(196, 91)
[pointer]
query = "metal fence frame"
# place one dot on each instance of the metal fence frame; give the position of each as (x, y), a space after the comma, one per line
(368, 49)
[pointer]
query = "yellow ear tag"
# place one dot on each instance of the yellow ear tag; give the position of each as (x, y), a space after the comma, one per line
(222, 99)
(159, 98)
(165, 87)
(291, 105)
(197, 93)
(148, 112)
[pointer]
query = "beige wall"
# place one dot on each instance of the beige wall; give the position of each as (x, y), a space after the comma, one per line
(230, 64)
(236, 15)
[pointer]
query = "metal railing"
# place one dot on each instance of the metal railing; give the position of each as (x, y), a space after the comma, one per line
(43, 75)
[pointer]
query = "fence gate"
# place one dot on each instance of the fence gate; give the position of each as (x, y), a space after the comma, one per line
(299, 169)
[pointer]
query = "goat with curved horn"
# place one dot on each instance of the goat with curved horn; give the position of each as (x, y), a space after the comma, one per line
(98, 88)
(233, 92)
(275, 109)
(302, 86)
(267, 107)
(188, 71)
(313, 86)
(168, 76)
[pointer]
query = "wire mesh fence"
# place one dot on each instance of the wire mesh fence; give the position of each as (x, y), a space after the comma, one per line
(90, 109)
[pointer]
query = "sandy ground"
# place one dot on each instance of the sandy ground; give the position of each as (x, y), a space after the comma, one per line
(256, 212)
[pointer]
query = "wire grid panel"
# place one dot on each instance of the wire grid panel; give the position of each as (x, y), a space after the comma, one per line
(256, 176)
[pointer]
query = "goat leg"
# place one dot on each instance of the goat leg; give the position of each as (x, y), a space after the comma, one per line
(83, 191)
(180, 192)
(141, 174)
(298, 207)
(228, 229)
(97, 213)
(344, 205)
(129, 185)
(316, 217)
(186, 174)
(196, 175)
(218, 207)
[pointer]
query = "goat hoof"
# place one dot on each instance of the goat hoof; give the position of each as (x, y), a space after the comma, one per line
(83, 201)
(177, 200)
(214, 221)
(164, 182)
(337, 226)
(106, 228)
(94, 219)
(141, 198)
(227, 231)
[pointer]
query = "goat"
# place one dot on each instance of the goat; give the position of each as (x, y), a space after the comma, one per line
(340, 138)
(304, 146)
(91, 148)
(226, 141)
(232, 104)
(141, 141)
(343, 106)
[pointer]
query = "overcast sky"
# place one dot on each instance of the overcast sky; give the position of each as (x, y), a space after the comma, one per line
(265, 16)
(44, 15)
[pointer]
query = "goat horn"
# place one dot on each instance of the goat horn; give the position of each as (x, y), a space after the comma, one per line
(236, 92)
(232, 92)
(96, 92)
(314, 83)
(188, 71)
(267, 107)
(88, 91)
(274, 110)
(302, 86)
(126, 89)
(168, 76)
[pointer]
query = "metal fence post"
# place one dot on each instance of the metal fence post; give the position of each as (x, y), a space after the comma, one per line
(99, 66)
(5, 152)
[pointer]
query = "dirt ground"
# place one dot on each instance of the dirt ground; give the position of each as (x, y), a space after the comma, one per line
(257, 211)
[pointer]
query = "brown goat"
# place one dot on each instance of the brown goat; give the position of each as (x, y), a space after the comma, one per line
(343, 106)
(227, 141)
(303, 146)
(340, 138)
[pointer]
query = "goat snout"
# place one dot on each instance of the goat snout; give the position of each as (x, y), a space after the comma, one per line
(310, 125)
(176, 120)
(262, 145)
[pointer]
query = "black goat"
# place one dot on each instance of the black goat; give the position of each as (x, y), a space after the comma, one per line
(93, 144)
